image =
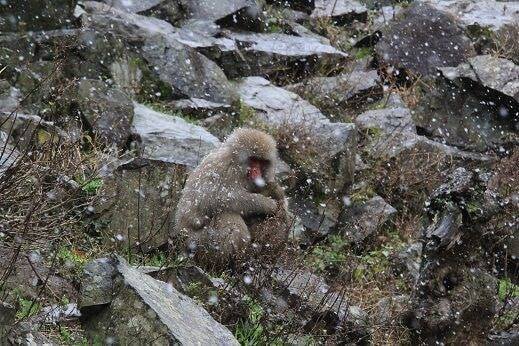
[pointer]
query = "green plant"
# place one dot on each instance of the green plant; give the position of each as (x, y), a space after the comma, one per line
(330, 255)
(363, 52)
(92, 186)
(250, 331)
(27, 308)
(245, 113)
(507, 289)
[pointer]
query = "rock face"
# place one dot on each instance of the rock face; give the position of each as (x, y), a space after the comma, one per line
(486, 13)
(267, 54)
(339, 91)
(139, 201)
(144, 309)
(8, 154)
(361, 222)
(108, 111)
(476, 107)
(178, 65)
(218, 10)
(333, 146)
(340, 11)
(422, 39)
(133, 6)
(28, 15)
(170, 138)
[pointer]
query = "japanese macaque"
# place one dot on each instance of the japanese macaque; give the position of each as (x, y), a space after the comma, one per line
(232, 187)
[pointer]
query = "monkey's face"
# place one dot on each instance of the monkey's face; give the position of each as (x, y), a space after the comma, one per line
(257, 172)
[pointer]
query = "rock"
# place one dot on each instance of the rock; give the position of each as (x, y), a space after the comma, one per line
(34, 15)
(363, 221)
(484, 13)
(391, 131)
(408, 260)
(494, 81)
(97, 283)
(144, 309)
(267, 54)
(8, 153)
(9, 97)
(165, 50)
(339, 91)
(334, 144)
(29, 273)
(138, 203)
(316, 218)
(340, 11)
(107, 111)
(445, 229)
(199, 108)
(314, 298)
(489, 71)
(170, 138)
(390, 308)
(245, 14)
(422, 39)
(459, 183)
(7, 318)
(133, 6)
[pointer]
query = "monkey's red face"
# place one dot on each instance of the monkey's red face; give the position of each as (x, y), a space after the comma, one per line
(256, 171)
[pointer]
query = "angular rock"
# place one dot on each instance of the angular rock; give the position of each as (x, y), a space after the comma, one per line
(107, 111)
(422, 39)
(332, 147)
(445, 230)
(133, 6)
(319, 219)
(267, 54)
(363, 221)
(144, 309)
(460, 182)
(484, 13)
(35, 15)
(339, 91)
(97, 283)
(245, 14)
(9, 97)
(170, 138)
(315, 299)
(138, 203)
(299, 5)
(340, 11)
(8, 153)
(165, 50)
(199, 108)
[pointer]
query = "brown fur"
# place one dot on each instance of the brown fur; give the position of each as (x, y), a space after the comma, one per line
(218, 197)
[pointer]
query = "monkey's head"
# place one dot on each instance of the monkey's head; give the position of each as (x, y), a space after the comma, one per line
(256, 154)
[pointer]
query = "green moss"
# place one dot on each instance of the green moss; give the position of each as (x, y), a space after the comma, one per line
(362, 195)
(92, 186)
(363, 52)
(27, 308)
(152, 88)
(250, 331)
(245, 113)
(507, 289)
(330, 255)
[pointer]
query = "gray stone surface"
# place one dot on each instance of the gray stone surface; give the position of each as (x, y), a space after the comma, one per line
(167, 50)
(489, 71)
(267, 54)
(8, 153)
(422, 39)
(144, 309)
(339, 10)
(108, 111)
(485, 13)
(333, 143)
(9, 97)
(339, 91)
(133, 6)
(170, 138)
(97, 283)
(363, 221)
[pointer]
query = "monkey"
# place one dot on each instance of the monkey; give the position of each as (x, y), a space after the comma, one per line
(232, 184)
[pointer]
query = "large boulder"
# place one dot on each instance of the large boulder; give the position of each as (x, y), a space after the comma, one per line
(143, 309)
(107, 111)
(475, 105)
(185, 71)
(422, 39)
(170, 138)
(321, 148)
(268, 54)
(137, 203)
(34, 15)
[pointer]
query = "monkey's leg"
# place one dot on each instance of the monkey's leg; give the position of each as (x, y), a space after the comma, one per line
(225, 238)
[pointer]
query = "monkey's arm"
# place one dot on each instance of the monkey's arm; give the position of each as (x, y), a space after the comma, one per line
(247, 203)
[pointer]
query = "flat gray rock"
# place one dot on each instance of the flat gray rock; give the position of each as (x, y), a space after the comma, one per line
(485, 13)
(133, 6)
(170, 138)
(338, 9)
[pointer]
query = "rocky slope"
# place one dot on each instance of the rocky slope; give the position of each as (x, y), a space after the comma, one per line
(397, 123)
